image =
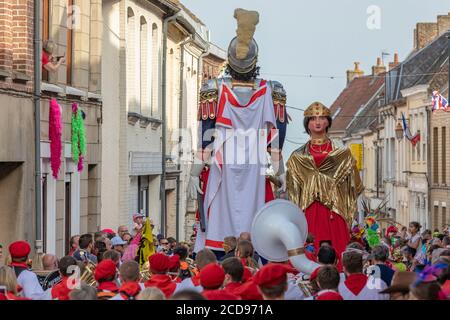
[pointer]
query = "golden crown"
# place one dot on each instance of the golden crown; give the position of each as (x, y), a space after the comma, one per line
(317, 109)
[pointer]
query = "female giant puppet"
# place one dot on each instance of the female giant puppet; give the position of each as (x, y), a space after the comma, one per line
(322, 179)
(249, 119)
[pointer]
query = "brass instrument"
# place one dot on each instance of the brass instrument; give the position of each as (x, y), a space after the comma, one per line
(306, 287)
(145, 272)
(87, 275)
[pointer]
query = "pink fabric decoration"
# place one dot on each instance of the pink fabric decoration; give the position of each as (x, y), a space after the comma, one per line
(55, 134)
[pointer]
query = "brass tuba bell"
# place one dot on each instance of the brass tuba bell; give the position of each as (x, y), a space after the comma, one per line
(145, 272)
(87, 275)
(279, 232)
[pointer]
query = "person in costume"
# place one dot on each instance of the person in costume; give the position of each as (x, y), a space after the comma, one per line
(328, 279)
(159, 267)
(26, 279)
(322, 179)
(62, 289)
(211, 279)
(272, 280)
(247, 115)
(105, 274)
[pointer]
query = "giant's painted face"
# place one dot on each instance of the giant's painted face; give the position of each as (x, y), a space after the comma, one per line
(318, 125)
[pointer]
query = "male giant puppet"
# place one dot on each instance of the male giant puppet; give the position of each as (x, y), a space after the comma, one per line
(249, 119)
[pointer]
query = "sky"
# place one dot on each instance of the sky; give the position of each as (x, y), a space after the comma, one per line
(322, 38)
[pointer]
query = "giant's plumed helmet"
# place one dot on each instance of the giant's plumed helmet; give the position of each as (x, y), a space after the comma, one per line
(243, 49)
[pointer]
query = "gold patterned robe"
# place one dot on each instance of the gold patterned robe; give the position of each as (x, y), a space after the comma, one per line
(335, 183)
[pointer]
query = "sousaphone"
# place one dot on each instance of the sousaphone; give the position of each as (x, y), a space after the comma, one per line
(279, 231)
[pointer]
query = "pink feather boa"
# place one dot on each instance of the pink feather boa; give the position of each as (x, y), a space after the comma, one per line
(55, 134)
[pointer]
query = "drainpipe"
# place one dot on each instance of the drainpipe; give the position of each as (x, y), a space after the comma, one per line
(162, 190)
(37, 124)
(189, 39)
(448, 52)
(428, 174)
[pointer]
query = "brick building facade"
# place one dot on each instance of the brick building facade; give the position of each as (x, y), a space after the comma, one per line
(71, 203)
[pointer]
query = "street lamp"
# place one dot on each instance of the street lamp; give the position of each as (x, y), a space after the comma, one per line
(399, 131)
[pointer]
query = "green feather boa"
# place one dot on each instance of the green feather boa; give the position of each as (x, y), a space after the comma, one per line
(78, 134)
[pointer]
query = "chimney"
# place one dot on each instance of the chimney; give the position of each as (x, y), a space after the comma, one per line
(379, 68)
(352, 74)
(424, 34)
(443, 23)
(392, 65)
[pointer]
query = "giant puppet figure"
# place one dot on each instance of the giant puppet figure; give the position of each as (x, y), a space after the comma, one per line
(322, 179)
(248, 118)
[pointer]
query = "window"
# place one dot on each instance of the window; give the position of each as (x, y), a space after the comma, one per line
(418, 149)
(143, 70)
(444, 218)
(45, 30)
(44, 211)
(436, 217)
(444, 156)
(435, 156)
(132, 62)
(69, 49)
(143, 194)
(154, 97)
(392, 158)
(424, 151)
(67, 212)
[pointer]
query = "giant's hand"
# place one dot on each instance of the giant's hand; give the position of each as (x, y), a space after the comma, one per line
(194, 180)
(194, 188)
(282, 180)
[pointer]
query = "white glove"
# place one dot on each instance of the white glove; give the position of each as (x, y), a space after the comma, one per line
(282, 180)
(281, 176)
(194, 181)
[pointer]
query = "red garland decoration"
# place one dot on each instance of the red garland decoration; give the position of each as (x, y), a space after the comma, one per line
(55, 134)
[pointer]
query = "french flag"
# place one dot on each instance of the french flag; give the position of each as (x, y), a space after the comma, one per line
(439, 102)
(414, 139)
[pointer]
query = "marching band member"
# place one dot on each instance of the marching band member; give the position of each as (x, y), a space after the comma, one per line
(26, 279)
(61, 290)
(211, 279)
(105, 274)
(159, 266)
(129, 277)
(272, 280)
(328, 279)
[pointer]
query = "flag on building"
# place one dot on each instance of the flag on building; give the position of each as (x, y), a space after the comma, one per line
(414, 139)
(439, 102)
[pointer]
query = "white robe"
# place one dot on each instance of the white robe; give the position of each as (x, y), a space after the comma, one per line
(236, 183)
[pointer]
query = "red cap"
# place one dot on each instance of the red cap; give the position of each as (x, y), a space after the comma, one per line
(159, 263)
(212, 276)
(219, 295)
(109, 231)
(249, 291)
(272, 274)
(174, 262)
(19, 249)
(105, 269)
